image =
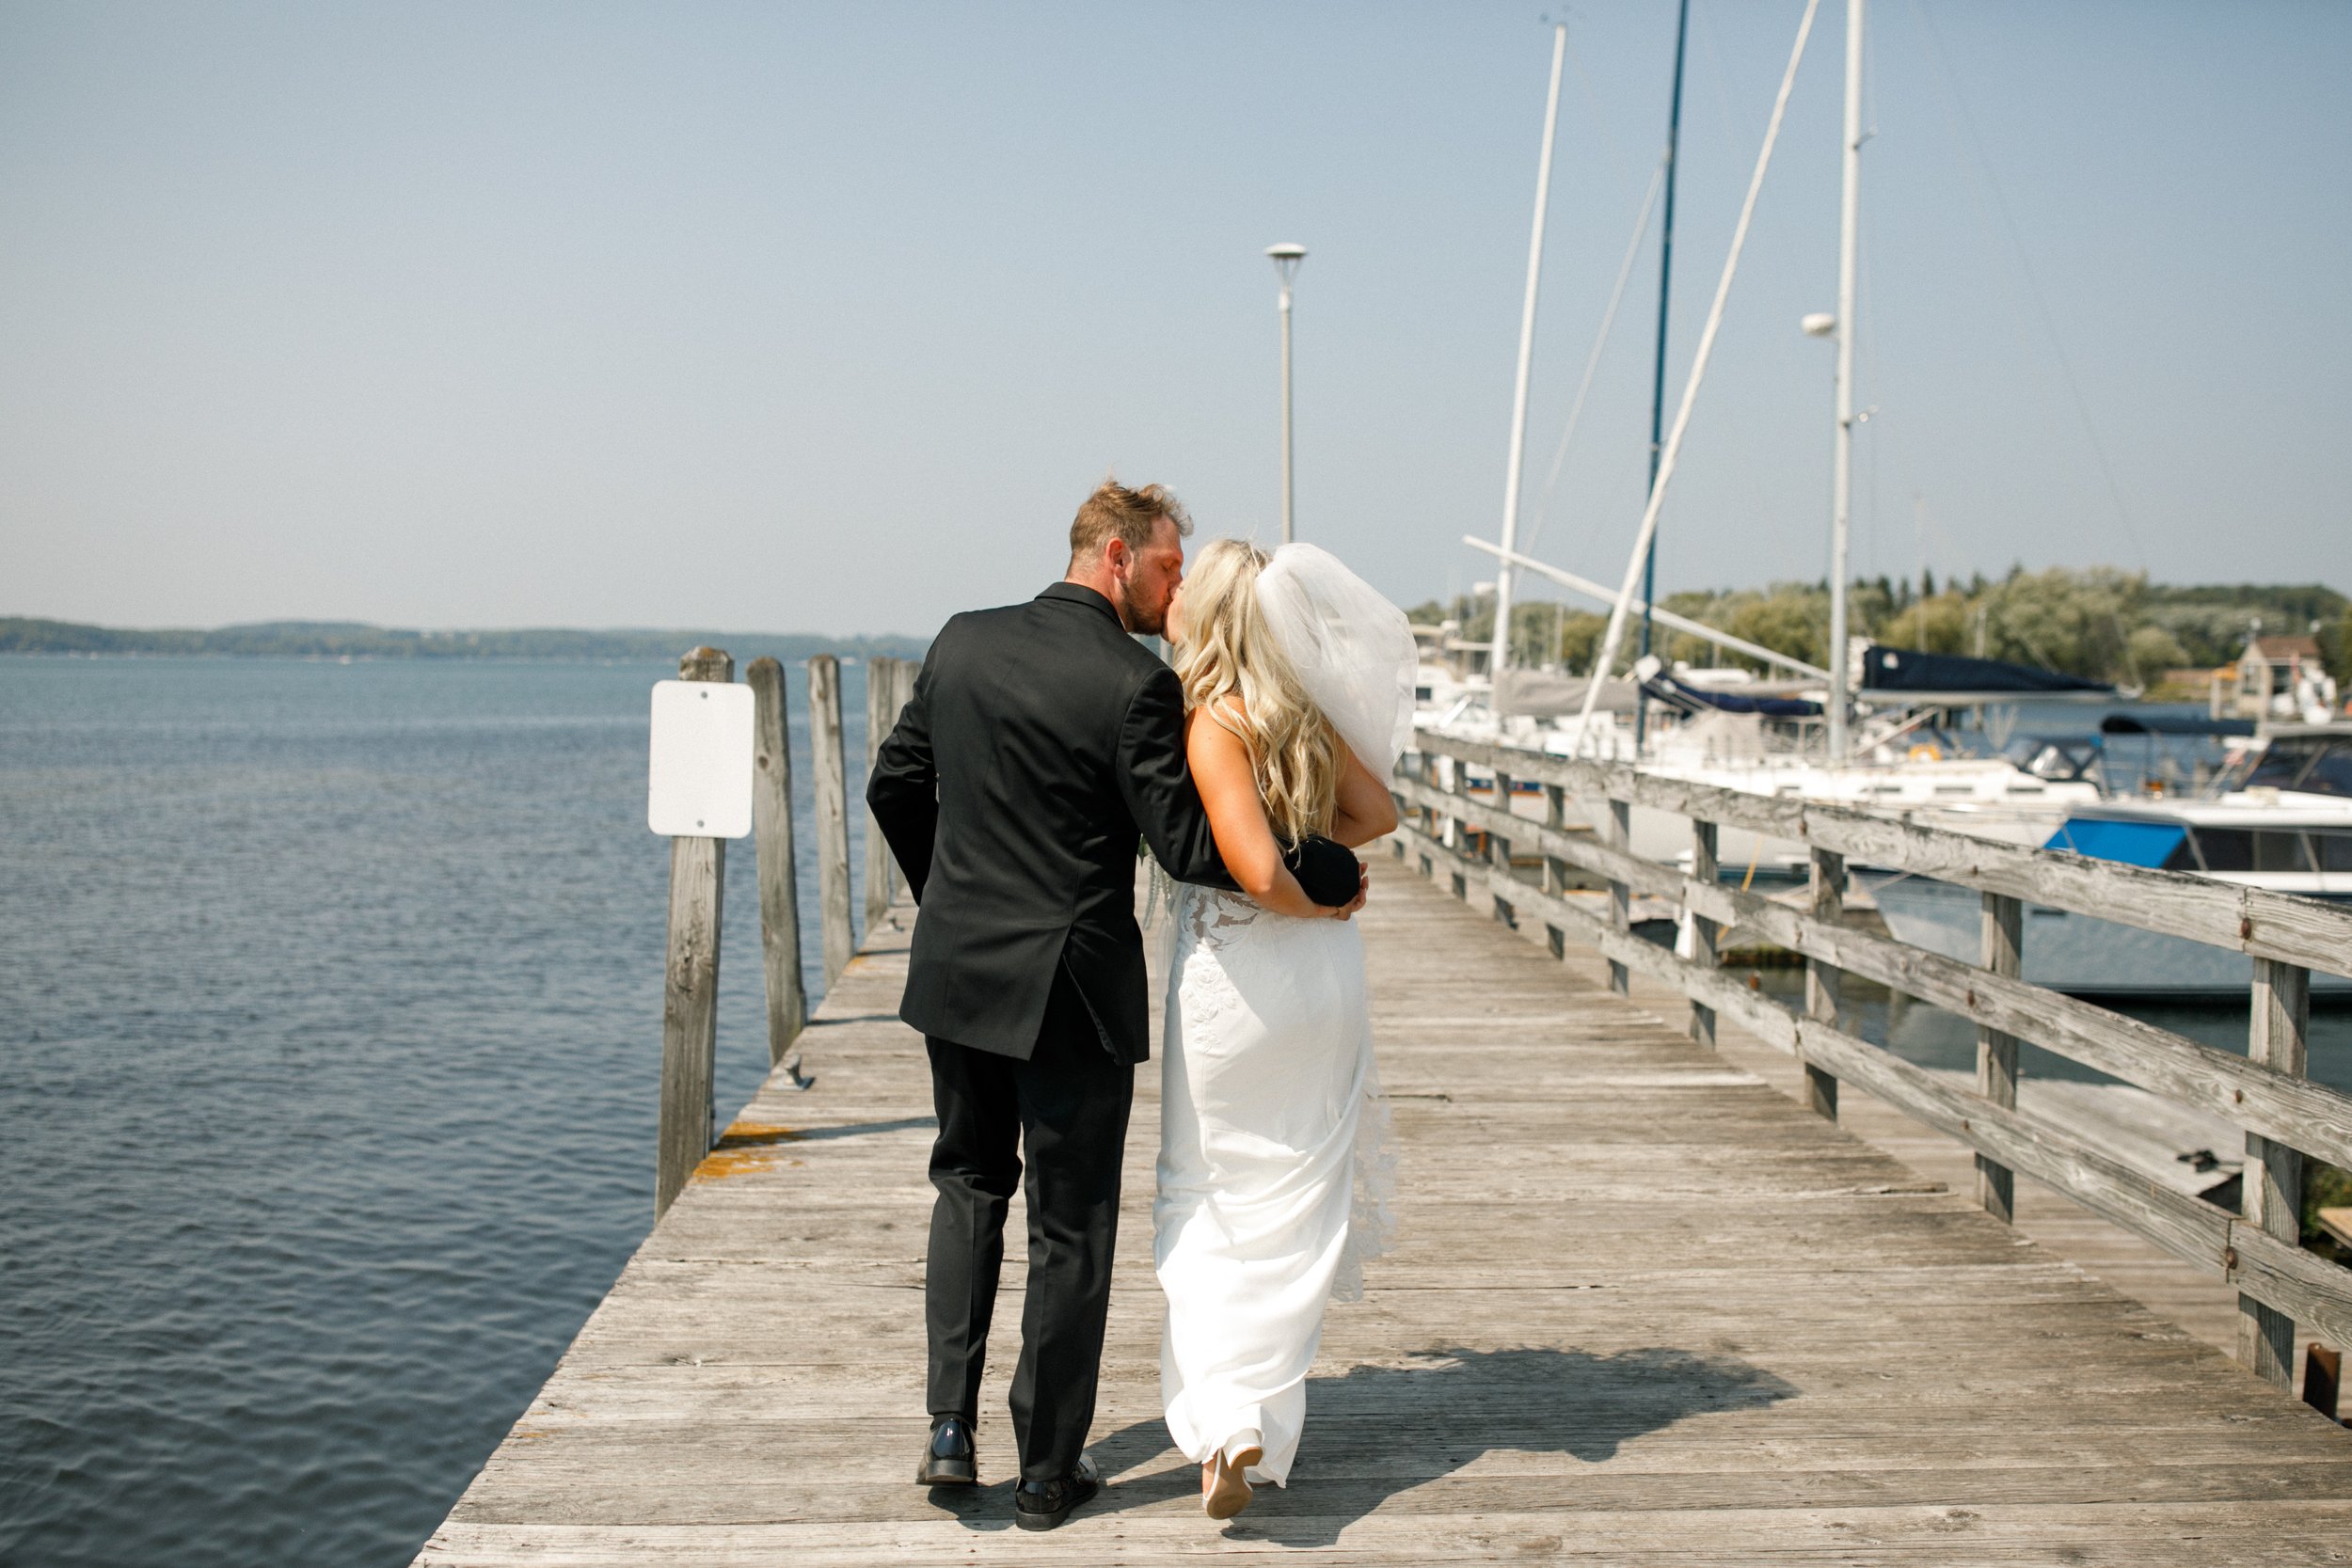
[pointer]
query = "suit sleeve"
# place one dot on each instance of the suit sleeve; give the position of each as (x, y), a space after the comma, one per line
(902, 788)
(1158, 784)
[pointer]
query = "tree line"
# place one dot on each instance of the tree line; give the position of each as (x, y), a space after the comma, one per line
(355, 640)
(2097, 621)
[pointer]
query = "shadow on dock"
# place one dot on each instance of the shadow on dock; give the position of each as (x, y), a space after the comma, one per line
(1369, 1447)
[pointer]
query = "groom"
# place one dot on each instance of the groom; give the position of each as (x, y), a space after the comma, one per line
(1042, 740)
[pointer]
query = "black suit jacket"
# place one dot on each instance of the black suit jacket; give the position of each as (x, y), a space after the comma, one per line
(1041, 741)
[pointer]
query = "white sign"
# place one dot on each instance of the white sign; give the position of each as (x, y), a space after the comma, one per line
(700, 784)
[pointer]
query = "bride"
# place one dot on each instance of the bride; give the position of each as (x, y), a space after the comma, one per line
(1298, 682)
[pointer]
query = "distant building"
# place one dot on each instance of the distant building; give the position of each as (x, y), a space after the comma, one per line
(2275, 677)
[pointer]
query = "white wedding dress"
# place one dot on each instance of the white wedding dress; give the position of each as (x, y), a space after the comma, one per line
(1274, 1173)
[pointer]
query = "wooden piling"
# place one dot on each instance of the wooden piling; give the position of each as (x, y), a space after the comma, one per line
(882, 712)
(690, 992)
(832, 813)
(779, 882)
(909, 670)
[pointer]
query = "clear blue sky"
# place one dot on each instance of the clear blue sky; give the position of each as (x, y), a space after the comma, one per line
(823, 318)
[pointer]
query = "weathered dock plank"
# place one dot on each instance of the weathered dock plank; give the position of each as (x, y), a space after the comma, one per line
(1645, 1308)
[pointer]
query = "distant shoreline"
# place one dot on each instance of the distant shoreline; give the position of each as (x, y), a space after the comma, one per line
(339, 642)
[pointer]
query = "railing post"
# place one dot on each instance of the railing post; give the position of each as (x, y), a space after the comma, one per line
(2273, 1182)
(779, 883)
(881, 713)
(1396, 841)
(1620, 895)
(1499, 847)
(1457, 830)
(832, 816)
(1556, 869)
(1433, 765)
(1425, 768)
(1996, 1053)
(1704, 870)
(1828, 888)
(690, 991)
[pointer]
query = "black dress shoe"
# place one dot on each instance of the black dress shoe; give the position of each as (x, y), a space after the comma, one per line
(1043, 1504)
(949, 1461)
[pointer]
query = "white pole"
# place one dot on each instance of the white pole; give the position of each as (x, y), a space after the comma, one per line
(1290, 492)
(1286, 258)
(1841, 484)
(1497, 659)
(1673, 453)
(1592, 590)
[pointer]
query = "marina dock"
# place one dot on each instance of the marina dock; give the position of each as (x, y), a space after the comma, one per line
(1648, 1305)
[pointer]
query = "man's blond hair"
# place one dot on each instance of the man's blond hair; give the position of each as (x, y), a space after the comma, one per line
(1115, 512)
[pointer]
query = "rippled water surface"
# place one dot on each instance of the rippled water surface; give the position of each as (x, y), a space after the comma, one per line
(330, 1025)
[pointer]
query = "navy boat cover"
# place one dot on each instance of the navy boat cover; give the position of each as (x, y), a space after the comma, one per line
(1886, 668)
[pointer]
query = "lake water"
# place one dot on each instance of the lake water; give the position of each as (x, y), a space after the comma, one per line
(330, 1029)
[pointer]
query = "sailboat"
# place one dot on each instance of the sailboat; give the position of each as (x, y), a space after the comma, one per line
(1798, 735)
(1862, 734)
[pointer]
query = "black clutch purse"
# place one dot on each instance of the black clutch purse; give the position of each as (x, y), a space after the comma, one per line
(1326, 869)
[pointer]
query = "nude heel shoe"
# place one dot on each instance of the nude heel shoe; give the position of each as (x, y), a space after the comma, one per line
(1224, 1490)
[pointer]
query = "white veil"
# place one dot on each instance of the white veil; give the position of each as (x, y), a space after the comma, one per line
(1352, 649)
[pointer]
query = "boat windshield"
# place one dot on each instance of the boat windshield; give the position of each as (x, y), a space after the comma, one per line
(2061, 759)
(2311, 764)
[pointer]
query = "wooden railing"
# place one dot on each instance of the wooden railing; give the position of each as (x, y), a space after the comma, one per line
(2284, 1115)
(690, 1005)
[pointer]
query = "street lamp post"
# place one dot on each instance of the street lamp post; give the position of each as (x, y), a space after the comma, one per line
(1286, 259)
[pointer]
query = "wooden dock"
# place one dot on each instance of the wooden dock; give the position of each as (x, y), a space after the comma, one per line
(1646, 1308)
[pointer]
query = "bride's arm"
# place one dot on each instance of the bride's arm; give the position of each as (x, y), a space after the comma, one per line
(1366, 810)
(1245, 841)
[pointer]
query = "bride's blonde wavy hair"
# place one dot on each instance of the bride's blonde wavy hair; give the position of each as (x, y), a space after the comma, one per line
(1229, 661)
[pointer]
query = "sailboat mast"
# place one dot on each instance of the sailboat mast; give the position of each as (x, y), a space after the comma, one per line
(1501, 654)
(1841, 485)
(1658, 372)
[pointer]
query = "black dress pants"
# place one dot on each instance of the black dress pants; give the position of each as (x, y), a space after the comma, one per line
(1066, 1107)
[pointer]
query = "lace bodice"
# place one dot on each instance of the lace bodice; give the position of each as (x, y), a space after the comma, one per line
(1214, 918)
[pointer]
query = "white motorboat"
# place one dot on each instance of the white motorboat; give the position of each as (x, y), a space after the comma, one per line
(2282, 821)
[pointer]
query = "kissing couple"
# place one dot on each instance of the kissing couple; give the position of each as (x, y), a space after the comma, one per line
(1041, 742)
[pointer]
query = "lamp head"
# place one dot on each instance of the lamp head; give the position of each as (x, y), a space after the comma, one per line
(1820, 324)
(1286, 258)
